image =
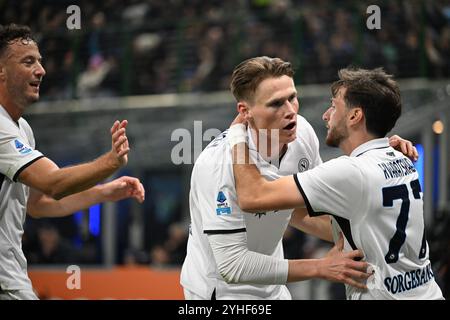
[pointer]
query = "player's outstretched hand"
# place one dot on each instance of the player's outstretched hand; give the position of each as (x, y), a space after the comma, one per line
(339, 266)
(120, 147)
(123, 188)
(404, 146)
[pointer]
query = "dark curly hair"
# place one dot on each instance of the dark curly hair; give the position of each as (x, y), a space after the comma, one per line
(11, 33)
(375, 92)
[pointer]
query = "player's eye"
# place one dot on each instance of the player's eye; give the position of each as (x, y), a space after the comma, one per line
(28, 61)
(276, 104)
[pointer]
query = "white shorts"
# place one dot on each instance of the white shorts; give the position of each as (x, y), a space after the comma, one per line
(189, 295)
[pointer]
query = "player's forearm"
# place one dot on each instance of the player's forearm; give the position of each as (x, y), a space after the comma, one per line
(254, 192)
(71, 180)
(46, 207)
(304, 269)
(237, 264)
(317, 226)
(248, 180)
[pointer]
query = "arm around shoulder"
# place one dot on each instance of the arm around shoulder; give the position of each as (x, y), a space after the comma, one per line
(264, 195)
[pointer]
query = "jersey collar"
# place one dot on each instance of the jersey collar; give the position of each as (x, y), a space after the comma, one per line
(380, 143)
(7, 115)
(252, 146)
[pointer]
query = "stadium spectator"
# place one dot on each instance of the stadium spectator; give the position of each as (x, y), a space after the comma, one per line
(202, 41)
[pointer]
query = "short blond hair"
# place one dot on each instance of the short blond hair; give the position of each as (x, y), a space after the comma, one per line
(251, 72)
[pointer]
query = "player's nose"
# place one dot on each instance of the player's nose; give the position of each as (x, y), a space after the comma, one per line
(325, 116)
(40, 71)
(291, 109)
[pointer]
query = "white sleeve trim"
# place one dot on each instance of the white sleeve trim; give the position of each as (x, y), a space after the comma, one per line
(12, 161)
(237, 264)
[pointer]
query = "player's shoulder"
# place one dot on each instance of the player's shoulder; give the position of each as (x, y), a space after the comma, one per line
(343, 164)
(304, 129)
(217, 146)
(26, 126)
(23, 122)
(8, 129)
(303, 124)
(216, 153)
(6, 123)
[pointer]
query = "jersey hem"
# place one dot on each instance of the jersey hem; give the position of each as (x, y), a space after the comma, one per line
(226, 231)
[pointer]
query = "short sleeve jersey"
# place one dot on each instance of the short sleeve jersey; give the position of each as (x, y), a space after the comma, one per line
(376, 198)
(16, 153)
(214, 209)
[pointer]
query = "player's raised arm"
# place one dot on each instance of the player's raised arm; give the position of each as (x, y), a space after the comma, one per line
(254, 192)
(44, 175)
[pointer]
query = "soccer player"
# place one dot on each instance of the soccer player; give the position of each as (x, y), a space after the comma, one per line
(30, 182)
(373, 191)
(236, 255)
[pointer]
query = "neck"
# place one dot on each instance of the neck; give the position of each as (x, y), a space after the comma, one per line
(266, 148)
(14, 110)
(354, 140)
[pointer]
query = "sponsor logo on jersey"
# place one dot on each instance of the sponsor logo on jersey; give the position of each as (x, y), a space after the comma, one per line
(222, 205)
(303, 165)
(21, 148)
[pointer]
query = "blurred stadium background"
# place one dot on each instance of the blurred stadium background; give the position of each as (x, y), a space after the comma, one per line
(163, 64)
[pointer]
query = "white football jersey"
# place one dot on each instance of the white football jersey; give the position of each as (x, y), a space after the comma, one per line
(16, 153)
(214, 209)
(376, 198)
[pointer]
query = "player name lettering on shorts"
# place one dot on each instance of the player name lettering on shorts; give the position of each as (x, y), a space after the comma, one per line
(397, 168)
(409, 280)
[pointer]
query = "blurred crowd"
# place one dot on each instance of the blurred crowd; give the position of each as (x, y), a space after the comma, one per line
(162, 46)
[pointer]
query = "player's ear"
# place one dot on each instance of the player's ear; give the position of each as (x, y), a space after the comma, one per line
(243, 108)
(356, 115)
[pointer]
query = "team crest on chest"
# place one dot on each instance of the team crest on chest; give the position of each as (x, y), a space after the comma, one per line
(303, 165)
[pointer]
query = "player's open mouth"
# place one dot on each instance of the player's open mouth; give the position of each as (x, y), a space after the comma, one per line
(290, 126)
(35, 84)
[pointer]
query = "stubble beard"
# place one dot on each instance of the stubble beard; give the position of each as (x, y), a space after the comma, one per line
(335, 137)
